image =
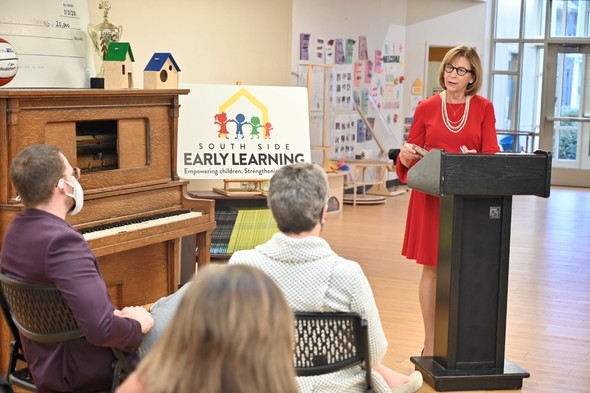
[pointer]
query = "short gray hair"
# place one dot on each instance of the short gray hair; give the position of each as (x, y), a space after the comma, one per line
(297, 195)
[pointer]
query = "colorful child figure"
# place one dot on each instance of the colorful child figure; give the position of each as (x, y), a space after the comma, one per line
(221, 119)
(267, 128)
(240, 121)
(255, 123)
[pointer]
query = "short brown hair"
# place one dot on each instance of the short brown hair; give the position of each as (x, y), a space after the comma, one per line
(472, 57)
(35, 171)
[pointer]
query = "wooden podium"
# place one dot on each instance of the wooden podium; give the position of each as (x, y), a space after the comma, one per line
(474, 246)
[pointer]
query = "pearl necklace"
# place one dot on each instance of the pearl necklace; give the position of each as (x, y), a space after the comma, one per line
(454, 126)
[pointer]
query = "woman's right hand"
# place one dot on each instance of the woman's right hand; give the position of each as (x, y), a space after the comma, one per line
(407, 154)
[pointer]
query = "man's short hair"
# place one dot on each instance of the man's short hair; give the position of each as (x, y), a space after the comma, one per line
(35, 171)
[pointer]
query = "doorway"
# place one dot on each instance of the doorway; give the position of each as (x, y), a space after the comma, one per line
(565, 121)
(435, 55)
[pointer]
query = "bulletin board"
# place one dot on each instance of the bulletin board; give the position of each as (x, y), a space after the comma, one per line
(367, 77)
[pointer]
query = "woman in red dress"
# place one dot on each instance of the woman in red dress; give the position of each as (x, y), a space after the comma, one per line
(457, 120)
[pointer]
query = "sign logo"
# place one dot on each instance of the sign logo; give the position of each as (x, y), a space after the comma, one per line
(255, 123)
(226, 131)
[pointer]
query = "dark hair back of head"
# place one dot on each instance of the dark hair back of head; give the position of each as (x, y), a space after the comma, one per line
(35, 171)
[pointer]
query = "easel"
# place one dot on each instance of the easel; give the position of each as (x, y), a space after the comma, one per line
(381, 187)
(335, 178)
(325, 145)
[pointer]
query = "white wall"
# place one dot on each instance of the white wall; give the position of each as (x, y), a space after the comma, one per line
(345, 19)
(219, 42)
(445, 23)
(257, 41)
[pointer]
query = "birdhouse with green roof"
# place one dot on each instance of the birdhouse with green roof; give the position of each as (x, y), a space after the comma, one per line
(118, 66)
(161, 72)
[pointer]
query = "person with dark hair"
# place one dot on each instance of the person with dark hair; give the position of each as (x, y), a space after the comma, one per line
(40, 246)
(232, 332)
(457, 120)
(314, 278)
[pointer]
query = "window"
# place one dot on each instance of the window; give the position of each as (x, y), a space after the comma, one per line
(569, 18)
(518, 54)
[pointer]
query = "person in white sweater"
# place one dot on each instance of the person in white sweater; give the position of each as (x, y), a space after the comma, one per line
(314, 278)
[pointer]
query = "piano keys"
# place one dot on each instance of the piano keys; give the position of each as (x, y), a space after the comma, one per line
(138, 227)
(124, 141)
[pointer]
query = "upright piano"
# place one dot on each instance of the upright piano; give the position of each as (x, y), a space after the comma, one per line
(138, 215)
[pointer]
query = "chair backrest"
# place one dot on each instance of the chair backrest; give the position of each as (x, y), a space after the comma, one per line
(39, 311)
(329, 342)
(17, 371)
(8, 317)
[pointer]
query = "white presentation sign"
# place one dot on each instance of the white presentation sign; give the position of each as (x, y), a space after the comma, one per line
(50, 40)
(241, 132)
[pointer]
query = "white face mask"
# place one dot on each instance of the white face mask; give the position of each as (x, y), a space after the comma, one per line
(78, 196)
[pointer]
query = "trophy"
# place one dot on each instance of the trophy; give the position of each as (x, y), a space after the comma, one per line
(102, 35)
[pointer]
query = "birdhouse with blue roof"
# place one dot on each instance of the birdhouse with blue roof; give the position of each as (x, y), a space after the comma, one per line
(118, 66)
(161, 72)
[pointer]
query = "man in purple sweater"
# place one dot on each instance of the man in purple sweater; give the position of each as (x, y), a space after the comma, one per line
(40, 246)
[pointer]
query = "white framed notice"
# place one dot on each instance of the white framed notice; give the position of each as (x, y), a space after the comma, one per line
(51, 42)
(238, 131)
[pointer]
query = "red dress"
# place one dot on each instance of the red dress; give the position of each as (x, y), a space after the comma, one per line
(429, 131)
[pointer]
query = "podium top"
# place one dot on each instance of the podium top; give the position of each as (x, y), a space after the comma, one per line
(440, 173)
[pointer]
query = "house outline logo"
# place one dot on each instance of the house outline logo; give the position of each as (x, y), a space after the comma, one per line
(223, 121)
(245, 93)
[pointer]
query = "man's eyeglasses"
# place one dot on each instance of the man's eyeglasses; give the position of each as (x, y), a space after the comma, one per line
(76, 172)
(461, 71)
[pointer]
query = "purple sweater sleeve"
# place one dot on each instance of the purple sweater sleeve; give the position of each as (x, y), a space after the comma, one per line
(74, 269)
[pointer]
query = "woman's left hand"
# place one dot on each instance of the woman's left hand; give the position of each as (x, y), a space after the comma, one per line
(465, 150)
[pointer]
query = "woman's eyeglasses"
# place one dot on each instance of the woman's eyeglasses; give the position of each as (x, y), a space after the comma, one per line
(461, 71)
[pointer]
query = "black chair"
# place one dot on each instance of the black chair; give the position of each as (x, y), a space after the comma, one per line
(17, 373)
(40, 313)
(329, 342)
(5, 386)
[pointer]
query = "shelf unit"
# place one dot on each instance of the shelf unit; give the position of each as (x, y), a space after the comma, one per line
(225, 201)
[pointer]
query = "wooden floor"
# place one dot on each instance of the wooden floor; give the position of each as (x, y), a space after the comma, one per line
(548, 322)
